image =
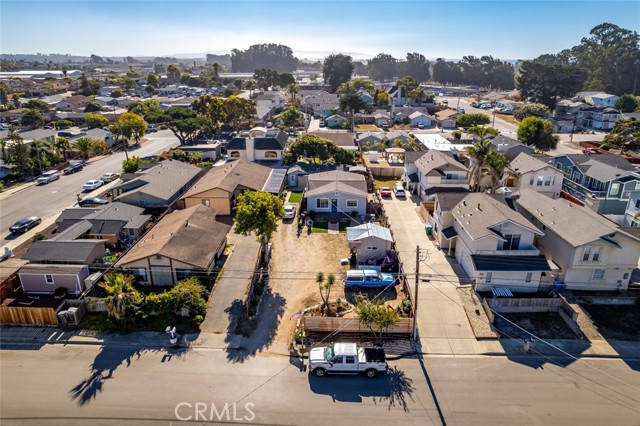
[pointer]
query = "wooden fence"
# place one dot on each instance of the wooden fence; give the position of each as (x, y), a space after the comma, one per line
(28, 315)
(404, 326)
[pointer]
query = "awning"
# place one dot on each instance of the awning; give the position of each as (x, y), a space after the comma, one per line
(501, 292)
(449, 233)
(497, 263)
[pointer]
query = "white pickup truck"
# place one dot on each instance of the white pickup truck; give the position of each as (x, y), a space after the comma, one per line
(347, 358)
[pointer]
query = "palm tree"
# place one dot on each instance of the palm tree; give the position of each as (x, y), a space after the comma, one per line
(479, 152)
(482, 131)
(123, 298)
(293, 89)
(63, 144)
(495, 166)
(85, 145)
(417, 95)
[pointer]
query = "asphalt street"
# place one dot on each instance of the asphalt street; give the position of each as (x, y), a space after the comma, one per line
(116, 385)
(50, 199)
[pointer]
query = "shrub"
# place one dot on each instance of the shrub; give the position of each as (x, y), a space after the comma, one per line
(180, 155)
(197, 320)
(38, 237)
(457, 135)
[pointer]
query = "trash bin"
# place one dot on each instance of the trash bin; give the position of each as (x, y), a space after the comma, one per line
(428, 228)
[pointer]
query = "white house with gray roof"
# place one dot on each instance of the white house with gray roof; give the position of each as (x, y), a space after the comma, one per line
(369, 240)
(438, 171)
(260, 145)
(337, 192)
(592, 252)
(531, 172)
(495, 245)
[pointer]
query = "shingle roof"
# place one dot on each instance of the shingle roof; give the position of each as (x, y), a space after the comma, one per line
(336, 180)
(366, 230)
(339, 138)
(525, 163)
(602, 172)
(510, 263)
(611, 160)
(435, 160)
(446, 114)
(231, 175)
(478, 212)
(575, 224)
(41, 268)
(62, 251)
(191, 236)
(448, 200)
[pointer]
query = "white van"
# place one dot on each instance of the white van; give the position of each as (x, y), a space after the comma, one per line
(49, 176)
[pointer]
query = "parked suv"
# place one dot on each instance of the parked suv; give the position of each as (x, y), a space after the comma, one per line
(49, 176)
(109, 177)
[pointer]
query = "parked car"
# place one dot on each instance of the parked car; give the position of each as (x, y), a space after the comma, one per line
(5, 126)
(321, 123)
(347, 358)
(399, 191)
(420, 126)
(590, 151)
(359, 279)
(92, 201)
(109, 177)
(73, 168)
(289, 211)
(23, 225)
(48, 176)
(92, 184)
(385, 192)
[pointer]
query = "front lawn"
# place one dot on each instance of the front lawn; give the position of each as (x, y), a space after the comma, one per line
(295, 197)
(389, 182)
(320, 227)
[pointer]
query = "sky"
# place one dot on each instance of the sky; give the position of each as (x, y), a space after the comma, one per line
(451, 29)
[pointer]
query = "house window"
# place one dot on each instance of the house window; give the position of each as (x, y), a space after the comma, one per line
(132, 232)
(234, 154)
(488, 278)
(49, 279)
(596, 254)
(352, 204)
(547, 180)
(270, 154)
(528, 277)
(140, 274)
(531, 180)
(182, 274)
(598, 274)
(322, 203)
(512, 243)
(615, 188)
(372, 248)
(451, 176)
(206, 203)
(539, 181)
(586, 253)
(638, 203)
(158, 257)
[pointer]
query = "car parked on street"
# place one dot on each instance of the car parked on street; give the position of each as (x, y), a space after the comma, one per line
(109, 177)
(48, 176)
(23, 225)
(385, 192)
(92, 201)
(347, 358)
(92, 184)
(73, 168)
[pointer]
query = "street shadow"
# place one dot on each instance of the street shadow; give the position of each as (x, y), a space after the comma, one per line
(31, 338)
(112, 357)
(537, 353)
(258, 332)
(394, 388)
(425, 372)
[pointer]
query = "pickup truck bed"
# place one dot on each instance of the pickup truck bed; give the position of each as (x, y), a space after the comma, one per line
(373, 355)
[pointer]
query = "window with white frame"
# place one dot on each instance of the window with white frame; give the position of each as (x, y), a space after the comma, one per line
(615, 188)
(586, 252)
(488, 278)
(547, 180)
(372, 248)
(322, 203)
(49, 279)
(140, 274)
(598, 274)
(539, 180)
(352, 204)
(596, 254)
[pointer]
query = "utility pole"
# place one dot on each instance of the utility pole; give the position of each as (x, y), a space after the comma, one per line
(415, 300)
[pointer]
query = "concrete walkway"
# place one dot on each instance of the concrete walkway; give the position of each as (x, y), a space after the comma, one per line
(443, 326)
(225, 303)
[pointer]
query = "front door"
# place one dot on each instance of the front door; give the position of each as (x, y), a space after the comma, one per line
(334, 206)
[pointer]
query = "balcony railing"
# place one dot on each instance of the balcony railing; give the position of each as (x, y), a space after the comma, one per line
(526, 252)
(580, 191)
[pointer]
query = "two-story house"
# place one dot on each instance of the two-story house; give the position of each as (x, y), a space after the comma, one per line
(259, 145)
(601, 182)
(592, 252)
(601, 100)
(321, 103)
(439, 171)
(510, 147)
(531, 172)
(337, 192)
(632, 213)
(495, 245)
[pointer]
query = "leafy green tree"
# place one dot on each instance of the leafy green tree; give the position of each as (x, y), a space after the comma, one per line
(627, 103)
(469, 120)
(239, 110)
(95, 120)
(185, 124)
(351, 104)
(364, 84)
(285, 79)
(537, 132)
(292, 117)
(153, 80)
(293, 89)
(625, 134)
(84, 145)
(93, 107)
(270, 56)
(266, 78)
(532, 110)
(36, 104)
(258, 212)
(544, 83)
(381, 98)
(314, 147)
(417, 67)
(64, 124)
(343, 156)
(495, 166)
(124, 302)
(148, 106)
(173, 73)
(4, 94)
(32, 118)
(324, 288)
(377, 317)
(382, 67)
(117, 93)
(130, 126)
(18, 154)
(213, 108)
(337, 69)
(131, 165)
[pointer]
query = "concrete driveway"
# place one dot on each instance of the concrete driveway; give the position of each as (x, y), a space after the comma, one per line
(443, 326)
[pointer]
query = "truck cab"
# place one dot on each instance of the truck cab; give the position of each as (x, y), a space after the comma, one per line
(367, 278)
(347, 358)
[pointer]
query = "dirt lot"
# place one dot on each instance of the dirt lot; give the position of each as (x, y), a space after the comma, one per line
(616, 322)
(547, 325)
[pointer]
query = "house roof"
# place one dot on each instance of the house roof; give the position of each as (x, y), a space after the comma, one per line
(162, 181)
(612, 160)
(341, 139)
(601, 171)
(273, 139)
(575, 224)
(448, 200)
(336, 180)
(41, 268)
(438, 189)
(112, 211)
(336, 117)
(417, 114)
(446, 114)
(367, 230)
(62, 251)
(10, 267)
(433, 160)
(487, 263)
(478, 212)
(231, 175)
(525, 163)
(449, 232)
(275, 181)
(410, 157)
(365, 135)
(191, 236)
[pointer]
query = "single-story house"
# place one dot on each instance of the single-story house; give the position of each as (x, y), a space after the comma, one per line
(182, 243)
(337, 192)
(341, 139)
(335, 121)
(447, 118)
(45, 279)
(369, 240)
(419, 118)
(297, 174)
